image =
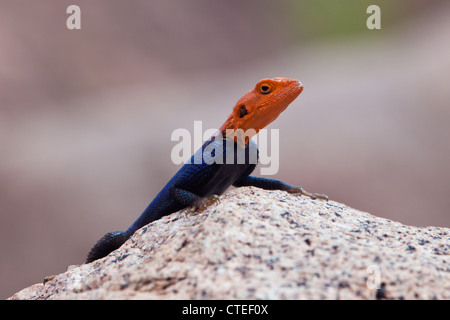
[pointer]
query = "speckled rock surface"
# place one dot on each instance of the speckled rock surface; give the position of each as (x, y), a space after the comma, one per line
(258, 244)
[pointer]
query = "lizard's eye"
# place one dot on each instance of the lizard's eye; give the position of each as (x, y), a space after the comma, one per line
(265, 88)
(242, 111)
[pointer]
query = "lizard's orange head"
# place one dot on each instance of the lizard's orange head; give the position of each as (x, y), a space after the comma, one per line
(260, 106)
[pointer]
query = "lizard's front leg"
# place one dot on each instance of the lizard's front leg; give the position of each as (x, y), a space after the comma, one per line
(192, 200)
(272, 184)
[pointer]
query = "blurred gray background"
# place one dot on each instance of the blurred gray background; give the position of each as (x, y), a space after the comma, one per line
(86, 115)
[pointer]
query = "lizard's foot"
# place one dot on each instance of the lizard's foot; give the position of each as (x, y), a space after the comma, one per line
(49, 278)
(203, 203)
(300, 190)
(53, 276)
(206, 202)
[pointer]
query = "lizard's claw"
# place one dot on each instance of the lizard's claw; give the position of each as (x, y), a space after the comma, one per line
(313, 196)
(208, 201)
(48, 278)
(203, 203)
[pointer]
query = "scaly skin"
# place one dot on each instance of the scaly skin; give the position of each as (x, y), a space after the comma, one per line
(198, 185)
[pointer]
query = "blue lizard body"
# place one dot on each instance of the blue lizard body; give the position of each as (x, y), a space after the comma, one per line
(224, 160)
(192, 183)
(195, 181)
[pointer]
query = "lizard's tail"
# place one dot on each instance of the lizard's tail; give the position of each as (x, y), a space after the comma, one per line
(107, 244)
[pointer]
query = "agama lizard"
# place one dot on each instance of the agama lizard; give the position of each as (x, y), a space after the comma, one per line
(199, 183)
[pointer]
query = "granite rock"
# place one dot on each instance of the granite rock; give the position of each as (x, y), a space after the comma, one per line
(258, 244)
